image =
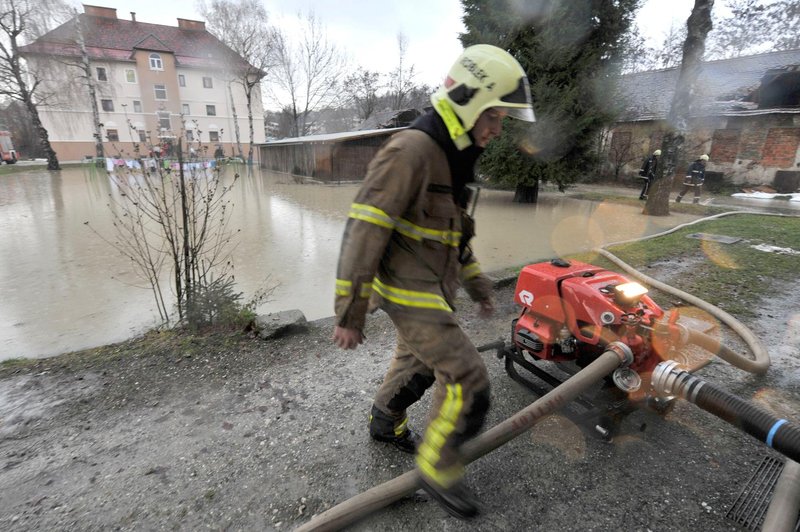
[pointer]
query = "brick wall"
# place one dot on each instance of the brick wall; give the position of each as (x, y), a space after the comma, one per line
(780, 147)
(745, 149)
(751, 142)
(724, 145)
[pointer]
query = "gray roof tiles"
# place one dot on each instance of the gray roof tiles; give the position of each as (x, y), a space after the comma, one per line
(723, 86)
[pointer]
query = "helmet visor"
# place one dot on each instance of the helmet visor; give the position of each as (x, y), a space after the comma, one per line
(521, 98)
(520, 113)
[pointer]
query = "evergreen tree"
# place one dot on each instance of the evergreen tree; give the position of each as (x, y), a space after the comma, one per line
(569, 49)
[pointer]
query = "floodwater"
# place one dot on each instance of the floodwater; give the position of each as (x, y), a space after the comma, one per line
(64, 288)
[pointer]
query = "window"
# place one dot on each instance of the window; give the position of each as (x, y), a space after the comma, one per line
(108, 105)
(185, 108)
(163, 120)
(142, 135)
(113, 135)
(189, 135)
(211, 110)
(137, 106)
(130, 75)
(213, 136)
(155, 62)
(101, 74)
(207, 83)
(181, 80)
(161, 92)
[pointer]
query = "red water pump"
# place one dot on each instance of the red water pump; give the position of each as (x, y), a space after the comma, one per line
(571, 311)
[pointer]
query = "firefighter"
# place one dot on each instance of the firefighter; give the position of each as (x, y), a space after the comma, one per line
(695, 176)
(648, 172)
(406, 249)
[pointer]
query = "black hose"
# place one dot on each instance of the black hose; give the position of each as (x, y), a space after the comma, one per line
(778, 433)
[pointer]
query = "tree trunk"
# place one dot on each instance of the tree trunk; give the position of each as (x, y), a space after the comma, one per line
(698, 26)
(44, 138)
(187, 282)
(26, 97)
(527, 193)
(87, 72)
(249, 95)
(236, 124)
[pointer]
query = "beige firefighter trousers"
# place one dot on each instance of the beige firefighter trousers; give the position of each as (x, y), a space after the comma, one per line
(426, 349)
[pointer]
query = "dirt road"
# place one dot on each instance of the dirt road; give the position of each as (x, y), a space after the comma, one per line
(225, 433)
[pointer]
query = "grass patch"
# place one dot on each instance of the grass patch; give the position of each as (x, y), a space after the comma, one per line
(734, 277)
(686, 208)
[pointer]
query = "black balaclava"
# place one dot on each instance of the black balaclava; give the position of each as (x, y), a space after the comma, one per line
(462, 163)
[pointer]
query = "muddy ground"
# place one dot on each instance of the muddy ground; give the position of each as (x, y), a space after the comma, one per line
(227, 432)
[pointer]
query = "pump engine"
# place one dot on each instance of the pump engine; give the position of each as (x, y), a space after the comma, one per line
(572, 310)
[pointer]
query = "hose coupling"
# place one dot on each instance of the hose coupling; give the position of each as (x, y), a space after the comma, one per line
(623, 352)
(670, 378)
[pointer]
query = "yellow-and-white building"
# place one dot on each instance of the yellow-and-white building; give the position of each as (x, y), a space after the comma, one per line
(153, 83)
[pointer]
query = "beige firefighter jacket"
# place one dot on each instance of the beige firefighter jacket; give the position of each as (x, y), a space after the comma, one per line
(400, 246)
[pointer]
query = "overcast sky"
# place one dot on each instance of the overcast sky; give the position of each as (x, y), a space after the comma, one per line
(367, 29)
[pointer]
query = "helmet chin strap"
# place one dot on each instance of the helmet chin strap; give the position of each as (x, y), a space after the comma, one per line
(460, 137)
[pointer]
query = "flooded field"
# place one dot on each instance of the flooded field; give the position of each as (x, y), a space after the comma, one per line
(64, 288)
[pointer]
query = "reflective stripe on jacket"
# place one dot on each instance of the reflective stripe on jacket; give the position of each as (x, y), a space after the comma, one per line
(695, 174)
(400, 244)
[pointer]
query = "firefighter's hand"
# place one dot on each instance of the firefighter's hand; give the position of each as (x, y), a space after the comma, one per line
(486, 308)
(347, 338)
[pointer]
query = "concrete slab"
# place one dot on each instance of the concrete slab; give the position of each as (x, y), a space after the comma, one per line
(722, 239)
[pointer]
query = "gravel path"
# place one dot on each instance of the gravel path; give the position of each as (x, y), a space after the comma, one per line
(232, 433)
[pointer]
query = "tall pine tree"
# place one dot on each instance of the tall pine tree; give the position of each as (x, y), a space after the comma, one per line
(570, 49)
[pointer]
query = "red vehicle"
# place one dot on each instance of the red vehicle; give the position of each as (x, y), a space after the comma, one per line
(7, 151)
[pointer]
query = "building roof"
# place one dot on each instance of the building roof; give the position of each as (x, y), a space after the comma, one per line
(389, 119)
(333, 137)
(110, 38)
(724, 87)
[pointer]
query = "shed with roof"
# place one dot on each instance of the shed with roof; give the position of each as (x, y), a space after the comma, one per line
(332, 157)
(745, 116)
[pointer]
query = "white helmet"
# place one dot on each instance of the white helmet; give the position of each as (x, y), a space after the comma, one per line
(485, 76)
(704, 157)
(657, 153)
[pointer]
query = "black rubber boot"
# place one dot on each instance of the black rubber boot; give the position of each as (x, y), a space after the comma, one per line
(678, 199)
(457, 500)
(382, 428)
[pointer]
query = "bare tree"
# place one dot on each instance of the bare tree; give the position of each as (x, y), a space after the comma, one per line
(401, 79)
(309, 73)
(243, 25)
(86, 75)
(174, 224)
(361, 89)
(637, 55)
(698, 25)
(669, 53)
(745, 30)
(24, 20)
(785, 18)
(620, 151)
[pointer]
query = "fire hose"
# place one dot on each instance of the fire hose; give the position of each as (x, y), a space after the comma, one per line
(761, 361)
(363, 504)
(778, 433)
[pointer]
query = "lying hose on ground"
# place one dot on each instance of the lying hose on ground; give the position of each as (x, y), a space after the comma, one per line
(761, 362)
(616, 355)
(778, 433)
(348, 512)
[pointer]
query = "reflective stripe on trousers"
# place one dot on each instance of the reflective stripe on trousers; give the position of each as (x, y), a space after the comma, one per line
(460, 399)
